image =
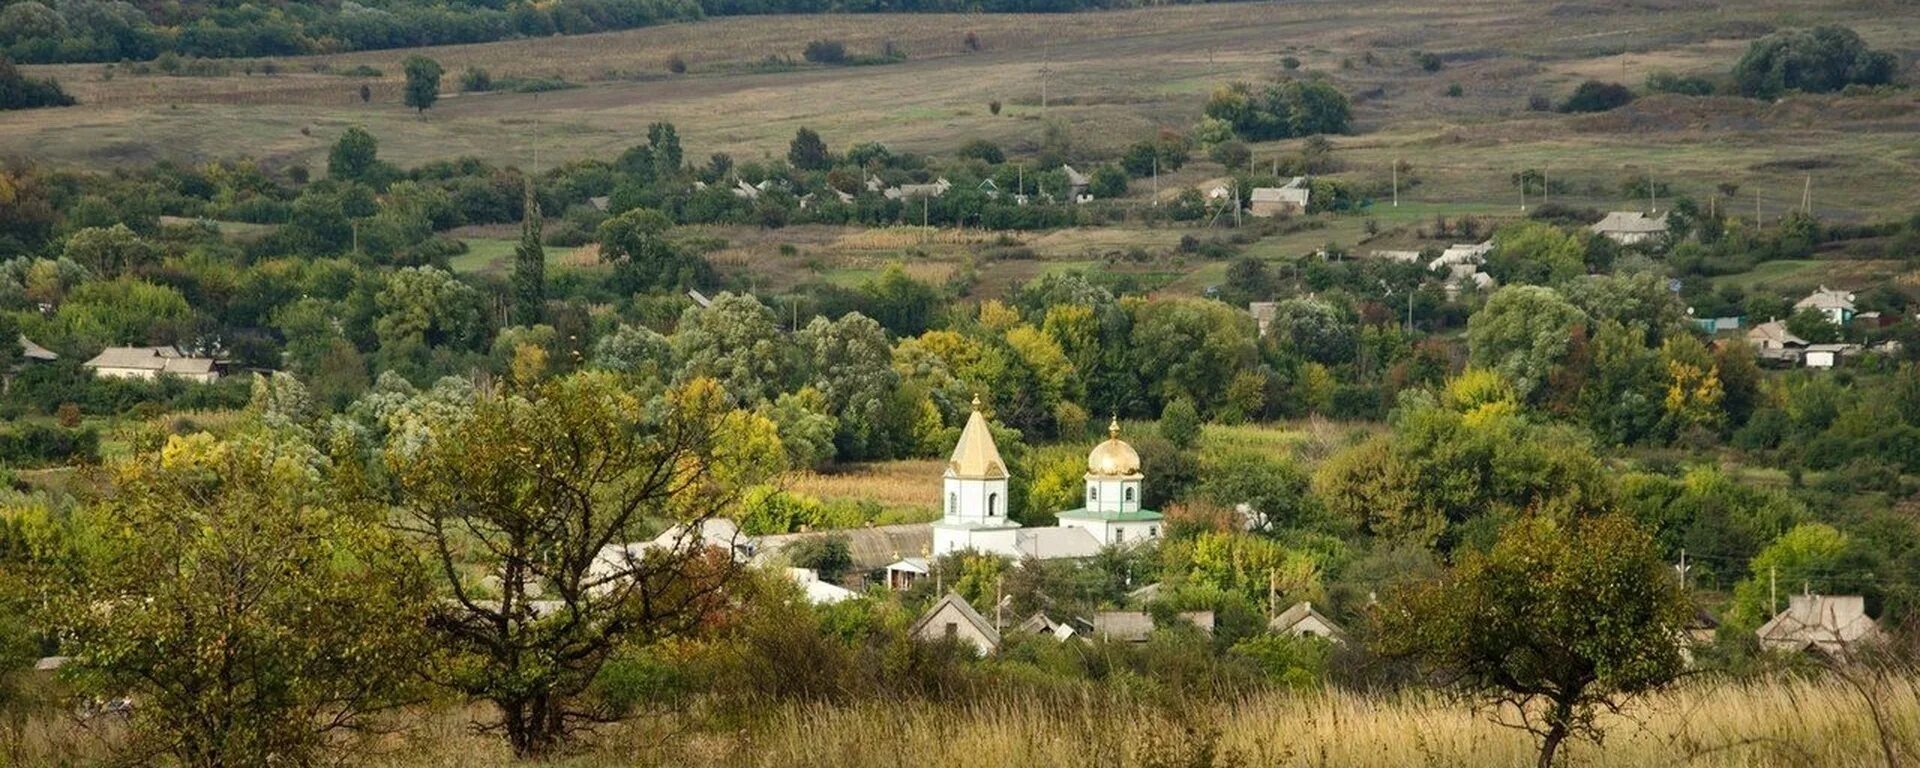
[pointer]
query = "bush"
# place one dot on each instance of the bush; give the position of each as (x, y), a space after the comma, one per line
(476, 80)
(826, 52)
(1821, 60)
(1596, 96)
(1429, 61)
(1685, 85)
(37, 445)
(676, 64)
(17, 91)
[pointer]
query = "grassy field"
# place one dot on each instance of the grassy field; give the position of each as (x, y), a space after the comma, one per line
(1112, 77)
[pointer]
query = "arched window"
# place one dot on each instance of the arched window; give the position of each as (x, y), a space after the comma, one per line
(993, 505)
(1093, 492)
(953, 501)
(1129, 493)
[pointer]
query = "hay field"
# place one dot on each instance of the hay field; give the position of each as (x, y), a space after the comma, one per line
(1113, 77)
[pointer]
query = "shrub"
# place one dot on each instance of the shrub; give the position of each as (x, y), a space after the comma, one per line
(826, 52)
(1429, 61)
(476, 80)
(1820, 60)
(1596, 96)
(17, 91)
(676, 64)
(972, 41)
(994, 106)
(1455, 91)
(1685, 85)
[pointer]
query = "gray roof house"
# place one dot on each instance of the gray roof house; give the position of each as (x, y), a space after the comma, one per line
(1830, 624)
(1272, 201)
(952, 617)
(1134, 626)
(150, 363)
(1629, 227)
(1302, 620)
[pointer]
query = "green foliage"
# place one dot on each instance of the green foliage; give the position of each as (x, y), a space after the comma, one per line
(1288, 110)
(1562, 618)
(256, 606)
(354, 157)
(1663, 81)
(1596, 96)
(110, 251)
(539, 485)
(1818, 60)
(1537, 253)
(1523, 332)
(423, 82)
(1806, 557)
(1180, 423)
(808, 152)
(427, 307)
(735, 342)
(122, 311)
(17, 91)
(644, 258)
(529, 268)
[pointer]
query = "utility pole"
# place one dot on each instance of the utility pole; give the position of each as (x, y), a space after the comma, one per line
(1156, 179)
(1273, 593)
(1653, 205)
(1396, 183)
(1756, 206)
(1046, 68)
(1773, 590)
(1806, 196)
(1523, 190)
(1544, 191)
(1682, 568)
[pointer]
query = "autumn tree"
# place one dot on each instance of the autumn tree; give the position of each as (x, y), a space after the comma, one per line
(246, 599)
(1560, 619)
(552, 496)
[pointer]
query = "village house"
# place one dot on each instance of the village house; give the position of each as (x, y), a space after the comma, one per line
(150, 363)
(1042, 624)
(907, 571)
(1263, 312)
(1836, 305)
(1827, 355)
(1461, 262)
(952, 618)
(1274, 201)
(1772, 341)
(1076, 185)
(1302, 620)
(1135, 626)
(1830, 624)
(1631, 227)
(919, 191)
(976, 515)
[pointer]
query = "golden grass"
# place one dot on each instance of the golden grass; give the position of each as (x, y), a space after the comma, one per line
(894, 238)
(1780, 723)
(912, 483)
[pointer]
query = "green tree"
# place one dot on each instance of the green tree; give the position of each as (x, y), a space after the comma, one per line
(808, 152)
(244, 596)
(805, 425)
(1562, 618)
(1804, 557)
(1538, 253)
(530, 267)
(1108, 181)
(644, 259)
(853, 371)
(1596, 96)
(423, 82)
(109, 251)
(429, 307)
(354, 157)
(736, 342)
(636, 350)
(1523, 332)
(542, 494)
(1180, 423)
(1818, 60)
(1314, 329)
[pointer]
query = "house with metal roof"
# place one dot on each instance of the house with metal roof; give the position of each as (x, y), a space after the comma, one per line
(1630, 227)
(1830, 624)
(1274, 201)
(951, 618)
(1303, 620)
(1837, 305)
(151, 363)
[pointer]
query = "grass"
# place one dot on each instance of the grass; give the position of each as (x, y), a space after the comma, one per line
(484, 254)
(1780, 723)
(1800, 275)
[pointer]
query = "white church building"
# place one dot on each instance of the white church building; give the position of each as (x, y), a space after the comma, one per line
(976, 514)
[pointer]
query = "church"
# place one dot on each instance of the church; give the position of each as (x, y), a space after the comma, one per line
(976, 505)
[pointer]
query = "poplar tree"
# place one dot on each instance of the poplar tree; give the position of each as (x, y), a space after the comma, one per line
(529, 267)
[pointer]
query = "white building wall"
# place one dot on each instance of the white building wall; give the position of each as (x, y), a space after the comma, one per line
(975, 501)
(1105, 494)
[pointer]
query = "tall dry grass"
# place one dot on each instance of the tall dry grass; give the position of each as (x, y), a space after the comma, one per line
(1781, 723)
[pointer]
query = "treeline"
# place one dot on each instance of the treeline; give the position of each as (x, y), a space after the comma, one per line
(112, 30)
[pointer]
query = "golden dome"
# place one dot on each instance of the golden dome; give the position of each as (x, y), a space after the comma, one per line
(1113, 458)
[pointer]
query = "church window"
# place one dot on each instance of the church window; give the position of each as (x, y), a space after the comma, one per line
(1152, 531)
(953, 501)
(993, 505)
(1093, 492)
(1129, 494)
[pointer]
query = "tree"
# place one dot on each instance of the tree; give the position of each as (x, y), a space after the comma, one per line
(1819, 60)
(109, 251)
(825, 52)
(1537, 253)
(1523, 332)
(429, 307)
(423, 82)
(1108, 181)
(354, 156)
(1806, 556)
(853, 371)
(808, 152)
(643, 258)
(1562, 617)
(1314, 329)
(529, 267)
(736, 342)
(982, 150)
(543, 494)
(1180, 423)
(249, 601)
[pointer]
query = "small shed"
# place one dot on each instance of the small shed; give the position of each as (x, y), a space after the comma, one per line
(1302, 620)
(151, 363)
(1274, 201)
(952, 618)
(907, 571)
